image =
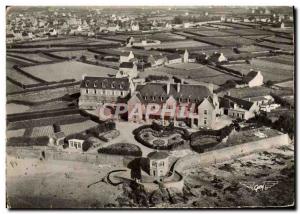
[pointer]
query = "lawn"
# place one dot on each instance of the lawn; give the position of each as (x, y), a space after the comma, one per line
(270, 70)
(67, 70)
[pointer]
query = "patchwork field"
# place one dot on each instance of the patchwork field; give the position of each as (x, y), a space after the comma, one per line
(67, 70)
(270, 70)
(38, 57)
(10, 87)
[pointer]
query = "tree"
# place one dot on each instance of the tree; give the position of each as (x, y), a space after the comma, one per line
(56, 128)
(285, 123)
(178, 20)
(86, 145)
(83, 58)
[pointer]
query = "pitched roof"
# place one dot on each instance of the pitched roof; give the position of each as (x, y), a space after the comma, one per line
(159, 90)
(250, 76)
(126, 65)
(58, 135)
(111, 83)
(173, 56)
(228, 102)
(157, 155)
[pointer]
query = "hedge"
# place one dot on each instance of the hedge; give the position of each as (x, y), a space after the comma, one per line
(27, 141)
(121, 149)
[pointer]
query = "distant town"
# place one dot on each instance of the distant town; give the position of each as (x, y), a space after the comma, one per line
(150, 107)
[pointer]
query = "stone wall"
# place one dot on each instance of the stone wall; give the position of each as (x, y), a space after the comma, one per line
(228, 153)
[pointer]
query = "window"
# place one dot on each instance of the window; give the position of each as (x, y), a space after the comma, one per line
(145, 98)
(161, 163)
(180, 100)
(86, 91)
(205, 112)
(122, 93)
(95, 91)
(153, 163)
(205, 122)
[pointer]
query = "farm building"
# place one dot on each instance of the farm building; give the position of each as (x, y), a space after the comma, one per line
(238, 108)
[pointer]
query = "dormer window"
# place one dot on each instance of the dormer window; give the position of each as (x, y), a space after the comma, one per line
(86, 83)
(113, 85)
(121, 86)
(153, 98)
(95, 83)
(161, 99)
(145, 98)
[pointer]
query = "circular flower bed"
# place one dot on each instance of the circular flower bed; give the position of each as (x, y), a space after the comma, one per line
(156, 136)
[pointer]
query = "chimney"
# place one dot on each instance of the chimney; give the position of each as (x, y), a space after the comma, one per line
(211, 87)
(168, 87)
(178, 87)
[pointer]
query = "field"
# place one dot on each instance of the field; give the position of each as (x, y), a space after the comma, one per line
(248, 32)
(233, 25)
(77, 54)
(179, 44)
(210, 33)
(278, 40)
(270, 70)
(68, 41)
(10, 87)
(226, 41)
(155, 36)
(13, 108)
(282, 59)
(277, 46)
(287, 84)
(252, 48)
(39, 57)
(77, 127)
(196, 72)
(67, 70)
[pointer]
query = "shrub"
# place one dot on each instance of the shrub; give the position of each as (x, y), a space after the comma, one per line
(27, 141)
(86, 145)
(121, 149)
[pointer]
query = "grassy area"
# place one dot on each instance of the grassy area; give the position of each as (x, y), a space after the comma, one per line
(179, 44)
(270, 70)
(200, 73)
(67, 70)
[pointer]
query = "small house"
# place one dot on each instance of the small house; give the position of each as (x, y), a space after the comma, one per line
(173, 59)
(253, 79)
(75, 143)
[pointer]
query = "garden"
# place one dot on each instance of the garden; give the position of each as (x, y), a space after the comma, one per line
(160, 137)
